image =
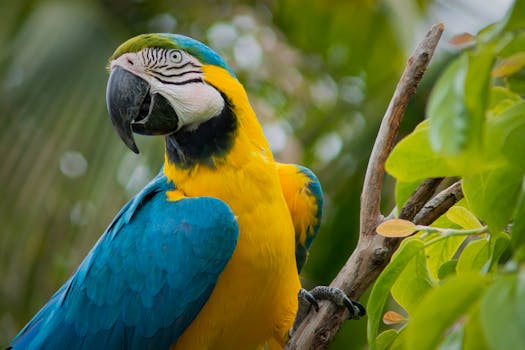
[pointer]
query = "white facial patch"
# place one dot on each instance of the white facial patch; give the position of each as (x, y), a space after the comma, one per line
(194, 103)
(178, 77)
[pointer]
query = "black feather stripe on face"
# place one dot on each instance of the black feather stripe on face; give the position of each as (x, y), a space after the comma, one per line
(171, 67)
(213, 138)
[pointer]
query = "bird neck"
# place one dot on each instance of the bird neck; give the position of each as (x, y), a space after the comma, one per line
(230, 140)
(203, 145)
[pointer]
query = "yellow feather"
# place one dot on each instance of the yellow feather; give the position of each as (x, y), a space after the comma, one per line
(301, 203)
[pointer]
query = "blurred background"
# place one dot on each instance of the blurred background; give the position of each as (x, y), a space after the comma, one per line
(319, 75)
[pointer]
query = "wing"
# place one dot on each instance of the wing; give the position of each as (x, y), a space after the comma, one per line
(144, 281)
(304, 196)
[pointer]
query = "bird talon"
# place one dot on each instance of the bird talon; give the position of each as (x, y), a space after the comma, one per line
(339, 298)
(355, 308)
(306, 302)
(360, 307)
(308, 297)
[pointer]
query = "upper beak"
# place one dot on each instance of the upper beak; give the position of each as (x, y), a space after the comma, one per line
(133, 108)
(124, 96)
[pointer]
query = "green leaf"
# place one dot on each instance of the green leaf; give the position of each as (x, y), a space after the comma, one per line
(499, 315)
(477, 88)
(504, 133)
(515, 17)
(520, 299)
(447, 111)
(456, 107)
(516, 82)
(440, 309)
(385, 339)
(413, 283)
(413, 159)
(399, 342)
(474, 258)
(381, 290)
(463, 217)
(515, 44)
(491, 195)
(517, 233)
(502, 98)
(474, 338)
(499, 243)
(454, 339)
(481, 255)
(510, 128)
(441, 252)
(447, 269)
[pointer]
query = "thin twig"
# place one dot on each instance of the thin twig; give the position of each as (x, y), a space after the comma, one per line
(373, 251)
(417, 200)
(446, 233)
(438, 205)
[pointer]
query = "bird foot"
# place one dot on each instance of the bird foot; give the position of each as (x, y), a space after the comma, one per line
(309, 300)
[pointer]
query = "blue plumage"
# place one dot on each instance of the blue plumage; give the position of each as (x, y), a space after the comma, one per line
(144, 281)
(199, 50)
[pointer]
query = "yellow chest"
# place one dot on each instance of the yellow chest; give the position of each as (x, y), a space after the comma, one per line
(255, 298)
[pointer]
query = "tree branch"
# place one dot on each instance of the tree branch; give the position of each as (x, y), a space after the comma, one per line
(373, 251)
(438, 205)
(417, 200)
(385, 140)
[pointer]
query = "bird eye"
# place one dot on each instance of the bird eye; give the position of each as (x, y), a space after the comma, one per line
(176, 56)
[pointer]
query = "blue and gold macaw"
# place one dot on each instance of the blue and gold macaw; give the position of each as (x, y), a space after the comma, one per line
(207, 255)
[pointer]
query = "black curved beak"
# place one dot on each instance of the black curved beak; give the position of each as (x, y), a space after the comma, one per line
(124, 96)
(133, 108)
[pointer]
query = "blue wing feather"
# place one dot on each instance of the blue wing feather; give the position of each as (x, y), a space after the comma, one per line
(145, 280)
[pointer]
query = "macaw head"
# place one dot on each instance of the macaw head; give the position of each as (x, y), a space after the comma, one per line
(172, 85)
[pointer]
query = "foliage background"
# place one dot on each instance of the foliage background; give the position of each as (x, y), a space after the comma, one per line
(319, 74)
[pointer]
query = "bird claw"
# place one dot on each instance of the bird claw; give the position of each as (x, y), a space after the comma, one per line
(356, 309)
(306, 296)
(339, 298)
(309, 299)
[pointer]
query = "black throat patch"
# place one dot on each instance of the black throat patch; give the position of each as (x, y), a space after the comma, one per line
(213, 138)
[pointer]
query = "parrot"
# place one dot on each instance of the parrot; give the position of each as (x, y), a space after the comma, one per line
(208, 254)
